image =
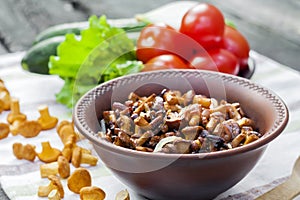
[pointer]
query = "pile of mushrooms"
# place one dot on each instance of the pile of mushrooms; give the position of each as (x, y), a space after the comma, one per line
(56, 163)
(172, 122)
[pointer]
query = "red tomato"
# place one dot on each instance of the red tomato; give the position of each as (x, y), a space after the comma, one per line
(159, 39)
(204, 23)
(237, 44)
(166, 61)
(219, 60)
(154, 40)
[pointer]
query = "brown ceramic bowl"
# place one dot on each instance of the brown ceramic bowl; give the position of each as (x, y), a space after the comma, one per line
(187, 176)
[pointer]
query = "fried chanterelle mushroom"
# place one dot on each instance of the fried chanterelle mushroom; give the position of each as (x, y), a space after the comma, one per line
(175, 122)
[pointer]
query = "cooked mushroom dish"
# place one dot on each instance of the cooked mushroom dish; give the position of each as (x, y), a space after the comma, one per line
(172, 122)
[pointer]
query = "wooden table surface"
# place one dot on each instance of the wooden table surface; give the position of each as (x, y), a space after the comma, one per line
(272, 27)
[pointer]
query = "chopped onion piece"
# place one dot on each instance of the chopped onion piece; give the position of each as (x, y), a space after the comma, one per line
(165, 141)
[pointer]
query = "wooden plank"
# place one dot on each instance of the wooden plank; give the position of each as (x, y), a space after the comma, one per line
(3, 46)
(281, 17)
(270, 44)
(30, 17)
(115, 9)
(2, 49)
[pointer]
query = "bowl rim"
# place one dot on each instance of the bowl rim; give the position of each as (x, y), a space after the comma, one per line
(277, 128)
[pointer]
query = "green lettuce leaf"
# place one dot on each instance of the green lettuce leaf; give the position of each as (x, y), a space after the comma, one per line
(99, 54)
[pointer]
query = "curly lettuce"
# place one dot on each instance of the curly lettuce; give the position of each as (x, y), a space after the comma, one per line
(99, 54)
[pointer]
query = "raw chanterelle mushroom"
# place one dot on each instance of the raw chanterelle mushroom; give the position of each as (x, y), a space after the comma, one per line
(4, 130)
(14, 127)
(15, 111)
(66, 131)
(29, 129)
(4, 96)
(61, 167)
(79, 178)
(78, 157)
(26, 152)
(55, 183)
(122, 195)
(1, 105)
(92, 193)
(46, 120)
(54, 195)
(68, 149)
(48, 153)
(4, 100)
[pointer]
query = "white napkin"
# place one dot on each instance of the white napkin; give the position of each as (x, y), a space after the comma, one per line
(20, 178)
